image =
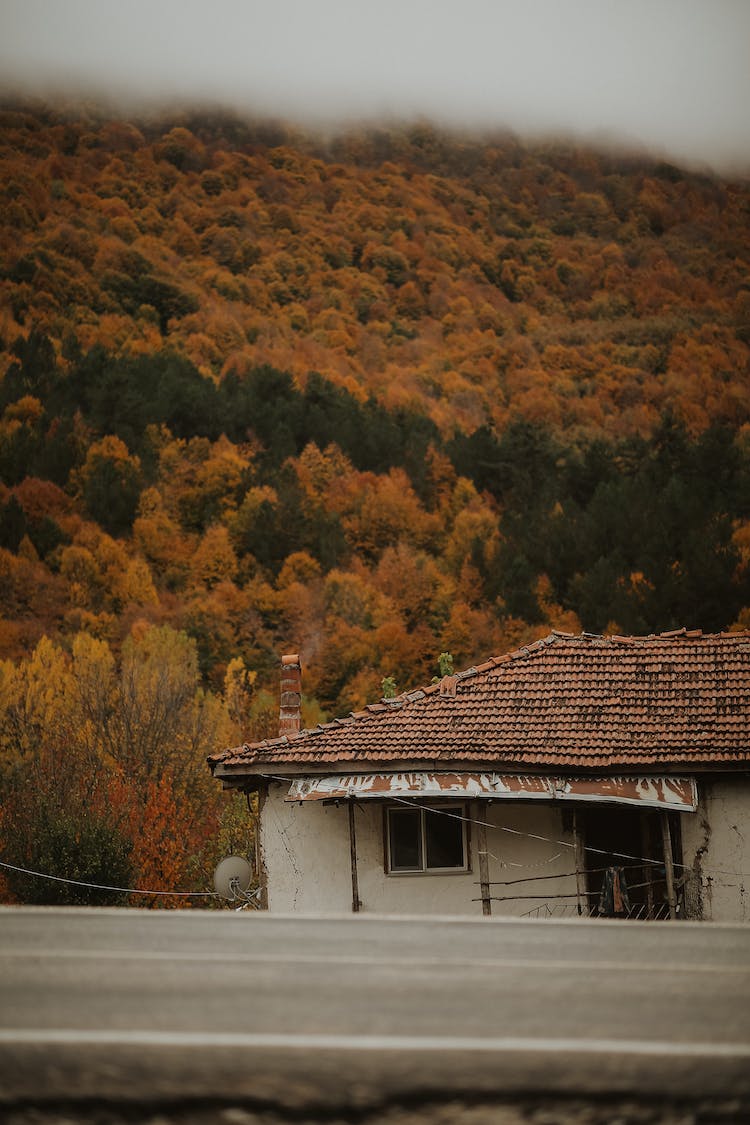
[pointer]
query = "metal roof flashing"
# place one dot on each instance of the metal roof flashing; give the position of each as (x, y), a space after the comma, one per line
(676, 793)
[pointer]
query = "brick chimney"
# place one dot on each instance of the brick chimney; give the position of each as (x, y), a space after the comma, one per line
(291, 698)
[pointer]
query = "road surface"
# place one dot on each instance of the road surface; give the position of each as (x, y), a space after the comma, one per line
(352, 1012)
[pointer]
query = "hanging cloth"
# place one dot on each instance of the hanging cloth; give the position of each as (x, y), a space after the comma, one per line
(613, 900)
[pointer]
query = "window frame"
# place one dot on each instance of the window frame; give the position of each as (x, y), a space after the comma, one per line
(458, 807)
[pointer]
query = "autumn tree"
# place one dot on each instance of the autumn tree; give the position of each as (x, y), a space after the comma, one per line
(103, 769)
(54, 815)
(110, 483)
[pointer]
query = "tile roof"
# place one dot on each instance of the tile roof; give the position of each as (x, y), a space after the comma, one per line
(575, 702)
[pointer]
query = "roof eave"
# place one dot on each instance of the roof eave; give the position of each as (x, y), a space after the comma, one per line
(259, 772)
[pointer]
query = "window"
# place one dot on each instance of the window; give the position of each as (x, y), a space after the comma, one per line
(426, 839)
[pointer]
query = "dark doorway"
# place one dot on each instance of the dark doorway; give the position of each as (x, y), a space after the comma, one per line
(619, 842)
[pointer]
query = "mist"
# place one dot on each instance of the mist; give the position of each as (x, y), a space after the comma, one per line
(670, 76)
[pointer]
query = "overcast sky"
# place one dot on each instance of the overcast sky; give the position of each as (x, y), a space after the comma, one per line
(673, 75)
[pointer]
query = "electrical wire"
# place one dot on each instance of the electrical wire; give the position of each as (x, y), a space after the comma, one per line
(542, 878)
(640, 860)
(103, 887)
(531, 835)
(400, 800)
(524, 866)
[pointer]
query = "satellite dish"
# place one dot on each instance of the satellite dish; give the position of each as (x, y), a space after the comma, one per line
(232, 877)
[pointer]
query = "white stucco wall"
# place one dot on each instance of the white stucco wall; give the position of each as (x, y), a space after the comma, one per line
(716, 840)
(307, 860)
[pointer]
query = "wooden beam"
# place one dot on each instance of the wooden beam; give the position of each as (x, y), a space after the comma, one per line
(579, 854)
(484, 866)
(666, 837)
(260, 859)
(648, 870)
(356, 904)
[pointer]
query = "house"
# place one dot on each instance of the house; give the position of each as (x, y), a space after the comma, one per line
(578, 775)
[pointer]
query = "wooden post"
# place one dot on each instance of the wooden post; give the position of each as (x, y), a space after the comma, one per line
(260, 859)
(353, 852)
(484, 866)
(580, 861)
(666, 837)
(648, 870)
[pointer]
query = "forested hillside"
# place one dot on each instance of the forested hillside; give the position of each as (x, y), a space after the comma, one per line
(373, 397)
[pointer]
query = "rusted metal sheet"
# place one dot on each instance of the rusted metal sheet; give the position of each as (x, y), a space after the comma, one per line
(678, 793)
(655, 792)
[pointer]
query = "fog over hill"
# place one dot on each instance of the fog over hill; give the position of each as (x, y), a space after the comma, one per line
(671, 76)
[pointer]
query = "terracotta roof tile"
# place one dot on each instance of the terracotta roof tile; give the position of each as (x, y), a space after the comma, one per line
(677, 698)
